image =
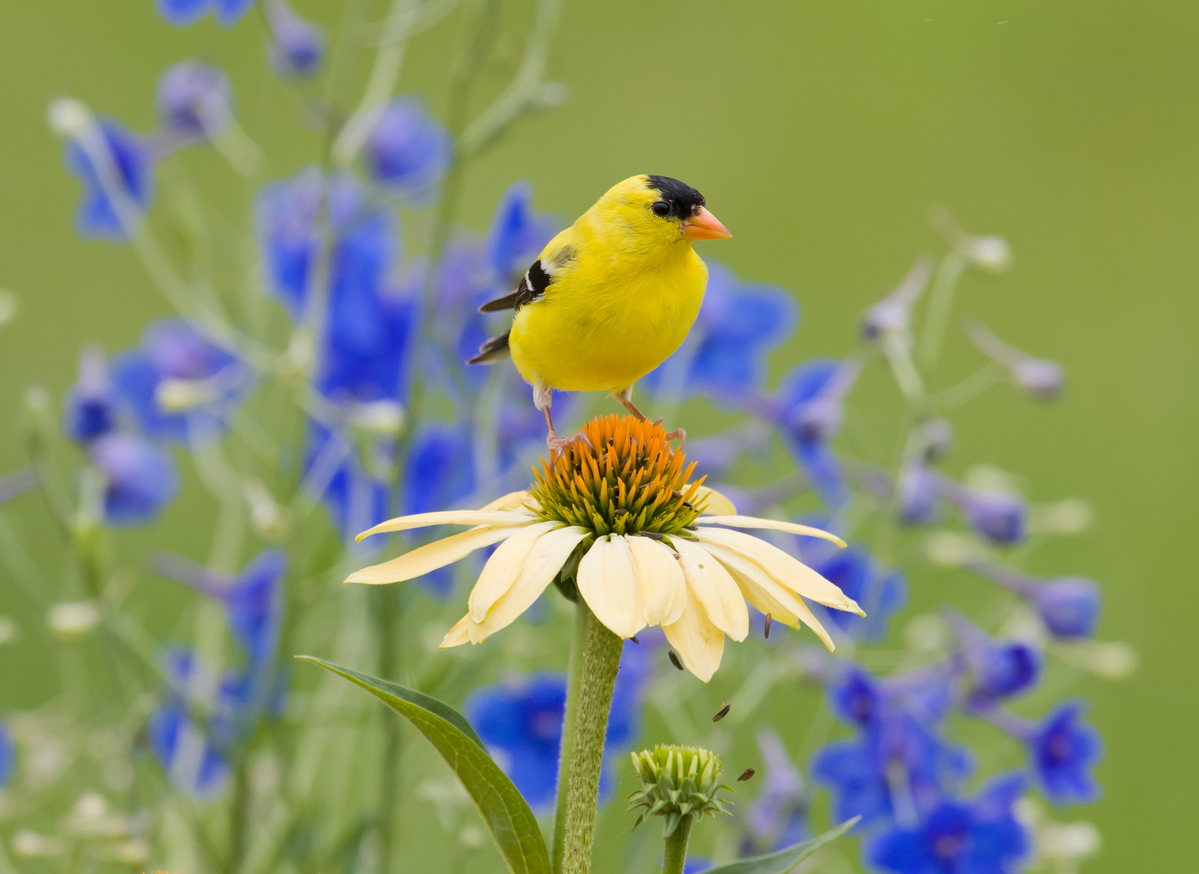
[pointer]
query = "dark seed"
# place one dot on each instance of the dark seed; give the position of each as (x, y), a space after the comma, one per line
(747, 774)
(766, 633)
(635, 640)
(721, 713)
(674, 660)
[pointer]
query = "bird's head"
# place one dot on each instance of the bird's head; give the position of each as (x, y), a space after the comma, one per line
(660, 210)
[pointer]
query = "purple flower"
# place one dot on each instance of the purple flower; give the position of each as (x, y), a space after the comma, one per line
(1043, 380)
(1068, 606)
(140, 478)
(92, 405)
(178, 385)
(195, 100)
(109, 160)
(298, 46)
(997, 516)
(517, 235)
(958, 836)
(1000, 668)
(182, 13)
(407, 150)
(1063, 751)
(918, 495)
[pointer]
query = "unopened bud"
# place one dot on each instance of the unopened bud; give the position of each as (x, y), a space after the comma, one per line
(28, 844)
(268, 517)
(677, 782)
(68, 117)
(380, 419)
(1068, 516)
(990, 254)
(9, 306)
(180, 395)
(73, 620)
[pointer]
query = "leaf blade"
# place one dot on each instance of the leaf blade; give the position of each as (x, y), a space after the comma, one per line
(512, 824)
(783, 861)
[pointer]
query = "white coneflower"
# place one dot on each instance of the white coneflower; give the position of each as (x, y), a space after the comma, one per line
(618, 518)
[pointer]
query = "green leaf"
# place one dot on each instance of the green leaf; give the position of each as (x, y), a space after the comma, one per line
(784, 860)
(512, 824)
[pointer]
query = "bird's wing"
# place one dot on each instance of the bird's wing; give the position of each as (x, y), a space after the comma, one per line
(537, 279)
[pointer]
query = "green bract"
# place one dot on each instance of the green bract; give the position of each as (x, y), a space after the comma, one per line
(677, 782)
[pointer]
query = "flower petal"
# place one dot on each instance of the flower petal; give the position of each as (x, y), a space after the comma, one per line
(770, 524)
(541, 566)
(431, 556)
(504, 567)
(510, 501)
(714, 588)
(792, 573)
(660, 577)
(767, 594)
(457, 635)
(700, 644)
(608, 583)
(715, 502)
(451, 517)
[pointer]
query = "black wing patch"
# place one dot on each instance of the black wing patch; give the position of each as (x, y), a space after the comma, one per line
(531, 289)
(495, 349)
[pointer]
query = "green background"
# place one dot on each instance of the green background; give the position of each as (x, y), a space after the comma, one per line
(820, 134)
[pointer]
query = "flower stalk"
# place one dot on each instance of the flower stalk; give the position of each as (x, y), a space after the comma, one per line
(676, 848)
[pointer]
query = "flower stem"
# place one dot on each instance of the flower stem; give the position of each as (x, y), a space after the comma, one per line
(676, 848)
(578, 643)
(590, 698)
(388, 619)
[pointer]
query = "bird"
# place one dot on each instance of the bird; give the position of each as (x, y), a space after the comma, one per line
(609, 298)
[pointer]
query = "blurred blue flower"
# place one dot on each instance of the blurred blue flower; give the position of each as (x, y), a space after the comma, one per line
(999, 668)
(92, 405)
(1063, 752)
(8, 756)
(125, 166)
(918, 495)
(997, 516)
(254, 605)
(882, 592)
(140, 478)
(356, 497)
(517, 235)
(724, 356)
(195, 101)
(178, 385)
(298, 46)
(1043, 380)
(958, 836)
(1069, 606)
(778, 817)
(182, 13)
(696, 865)
(407, 150)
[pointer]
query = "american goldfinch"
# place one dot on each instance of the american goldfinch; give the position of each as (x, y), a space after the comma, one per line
(609, 298)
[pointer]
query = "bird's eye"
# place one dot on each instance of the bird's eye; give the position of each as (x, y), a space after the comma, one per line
(661, 209)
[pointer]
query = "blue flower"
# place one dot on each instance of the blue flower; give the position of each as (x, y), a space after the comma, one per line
(881, 592)
(356, 498)
(725, 353)
(778, 817)
(298, 47)
(1000, 668)
(696, 865)
(958, 837)
(1069, 606)
(92, 405)
(1043, 380)
(407, 150)
(517, 235)
(997, 516)
(182, 13)
(254, 605)
(1063, 752)
(918, 495)
(179, 386)
(8, 756)
(140, 478)
(125, 165)
(195, 100)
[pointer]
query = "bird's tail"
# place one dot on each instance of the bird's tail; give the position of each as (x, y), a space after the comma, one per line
(495, 349)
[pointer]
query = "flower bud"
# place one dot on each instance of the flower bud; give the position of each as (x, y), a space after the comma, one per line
(936, 438)
(677, 782)
(1000, 668)
(9, 306)
(406, 149)
(991, 254)
(919, 497)
(68, 117)
(91, 404)
(73, 620)
(195, 100)
(140, 478)
(1069, 606)
(299, 47)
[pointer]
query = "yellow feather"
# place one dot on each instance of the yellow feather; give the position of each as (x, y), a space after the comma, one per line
(626, 287)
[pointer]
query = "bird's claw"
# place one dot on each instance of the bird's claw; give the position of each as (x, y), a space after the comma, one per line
(677, 434)
(557, 444)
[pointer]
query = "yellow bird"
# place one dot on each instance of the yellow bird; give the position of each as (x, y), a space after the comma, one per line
(611, 297)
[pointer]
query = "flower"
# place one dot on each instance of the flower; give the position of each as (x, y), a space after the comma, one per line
(892, 314)
(981, 836)
(882, 592)
(517, 234)
(408, 151)
(181, 13)
(178, 385)
(677, 782)
(997, 516)
(109, 161)
(1042, 379)
(299, 46)
(195, 100)
(620, 519)
(1068, 606)
(184, 745)
(8, 756)
(92, 403)
(918, 497)
(1000, 669)
(140, 478)
(725, 353)
(1063, 751)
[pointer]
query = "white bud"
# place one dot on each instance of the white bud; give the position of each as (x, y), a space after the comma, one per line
(1068, 516)
(270, 519)
(9, 306)
(27, 844)
(951, 549)
(180, 395)
(1110, 660)
(1068, 842)
(73, 619)
(377, 418)
(68, 117)
(927, 633)
(9, 630)
(990, 254)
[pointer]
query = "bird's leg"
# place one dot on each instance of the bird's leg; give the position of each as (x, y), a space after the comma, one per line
(625, 397)
(542, 395)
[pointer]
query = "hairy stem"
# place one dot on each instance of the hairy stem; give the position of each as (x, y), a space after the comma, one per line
(676, 848)
(596, 677)
(578, 644)
(388, 618)
(237, 816)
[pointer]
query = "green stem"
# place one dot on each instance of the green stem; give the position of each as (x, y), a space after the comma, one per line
(676, 847)
(939, 307)
(596, 677)
(237, 817)
(568, 731)
(389, 665)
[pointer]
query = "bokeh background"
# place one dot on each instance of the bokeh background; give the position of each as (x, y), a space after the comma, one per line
(820, 134)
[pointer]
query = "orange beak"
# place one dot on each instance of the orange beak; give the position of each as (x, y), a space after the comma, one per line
(704, 226)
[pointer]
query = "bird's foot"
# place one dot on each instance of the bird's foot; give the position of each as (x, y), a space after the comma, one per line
(676, 434)
(557, 444)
